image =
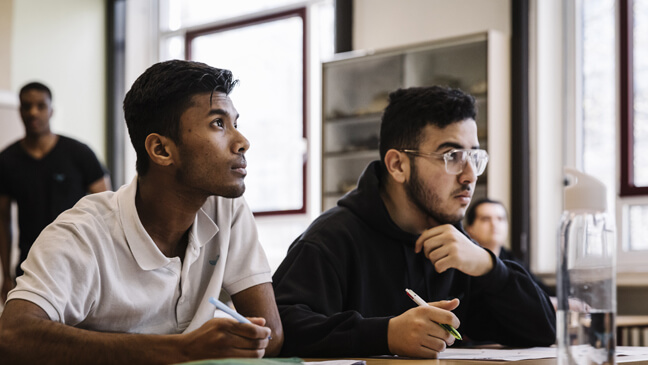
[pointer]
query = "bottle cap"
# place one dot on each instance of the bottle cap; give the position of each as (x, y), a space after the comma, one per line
(586, 193)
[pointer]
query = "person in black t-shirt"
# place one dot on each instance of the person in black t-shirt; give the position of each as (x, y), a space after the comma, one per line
(44, 173)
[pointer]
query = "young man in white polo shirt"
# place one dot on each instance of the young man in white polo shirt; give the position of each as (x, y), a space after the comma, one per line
(126, 277)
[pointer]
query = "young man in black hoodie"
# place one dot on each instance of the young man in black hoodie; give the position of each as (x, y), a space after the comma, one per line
(341, 289)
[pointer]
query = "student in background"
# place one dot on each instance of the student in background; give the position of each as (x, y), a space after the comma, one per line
(487, 223)
(341, 288)
(44, 173)
(126, 276)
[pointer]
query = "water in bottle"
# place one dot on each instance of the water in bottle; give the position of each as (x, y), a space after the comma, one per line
(586, 276)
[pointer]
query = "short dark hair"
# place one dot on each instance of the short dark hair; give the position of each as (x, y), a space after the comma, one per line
(157, 99)
(35, 86)
(471, 214)
(410, 110)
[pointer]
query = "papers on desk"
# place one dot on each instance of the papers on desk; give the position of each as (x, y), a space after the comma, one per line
(631, 353)
(624, 354)
(498, 354)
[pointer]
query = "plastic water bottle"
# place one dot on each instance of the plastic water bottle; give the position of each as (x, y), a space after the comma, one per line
(586, 275)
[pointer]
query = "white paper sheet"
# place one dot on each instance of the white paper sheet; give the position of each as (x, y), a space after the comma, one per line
(624, 354)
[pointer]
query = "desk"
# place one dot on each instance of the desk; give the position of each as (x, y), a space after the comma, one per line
(396, 361)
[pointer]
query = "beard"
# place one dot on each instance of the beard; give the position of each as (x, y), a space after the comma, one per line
(428, 201)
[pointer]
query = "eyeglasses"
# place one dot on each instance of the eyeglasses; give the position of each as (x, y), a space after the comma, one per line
(455, 160)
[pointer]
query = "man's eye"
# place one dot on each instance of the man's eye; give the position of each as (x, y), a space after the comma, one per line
(456, 156)
(219, 122)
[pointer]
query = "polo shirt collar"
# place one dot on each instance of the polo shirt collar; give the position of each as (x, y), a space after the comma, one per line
(145, 252)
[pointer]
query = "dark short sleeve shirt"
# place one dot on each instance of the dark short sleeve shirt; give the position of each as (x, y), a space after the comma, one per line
(43, 188)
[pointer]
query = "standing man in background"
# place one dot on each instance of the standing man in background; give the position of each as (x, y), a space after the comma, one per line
(44, 173)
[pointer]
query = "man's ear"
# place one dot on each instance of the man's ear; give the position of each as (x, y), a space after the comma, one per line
(398, 165)
(160, 149)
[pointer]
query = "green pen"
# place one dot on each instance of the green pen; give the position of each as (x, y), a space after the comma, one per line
(422, 303)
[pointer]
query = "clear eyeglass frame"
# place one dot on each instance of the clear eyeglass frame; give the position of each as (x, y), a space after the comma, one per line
(456, 159)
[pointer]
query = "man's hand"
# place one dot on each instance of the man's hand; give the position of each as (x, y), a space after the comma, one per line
(448, 248)
(224, 337)
(28, 336)
(416, 333)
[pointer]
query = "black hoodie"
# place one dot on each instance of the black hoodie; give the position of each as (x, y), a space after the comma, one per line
(344, 278)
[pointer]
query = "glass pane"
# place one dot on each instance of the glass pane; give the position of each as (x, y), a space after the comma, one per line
(640, 61)
(638, 232)
(267, 58)
(176, 14)
(599, 88)
(172, 48)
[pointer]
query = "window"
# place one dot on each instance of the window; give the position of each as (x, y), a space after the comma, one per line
(265, 45)
(267, 55)
(633, 38)
(609, 146)
(633, 32)
(598, 92)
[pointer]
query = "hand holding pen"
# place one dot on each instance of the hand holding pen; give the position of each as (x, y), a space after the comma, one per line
(225, 308)
(417, 333)
(224, 338)
(451, 330)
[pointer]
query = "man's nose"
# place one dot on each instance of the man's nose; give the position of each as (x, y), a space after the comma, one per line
(241, 144)
(468, 175)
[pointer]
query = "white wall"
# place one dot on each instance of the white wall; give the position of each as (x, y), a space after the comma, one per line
(11, 127)
(62, 44)
(389, 23)
(6, 12)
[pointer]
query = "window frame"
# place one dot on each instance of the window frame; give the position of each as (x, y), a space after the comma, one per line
(626, 77)
(193, 33)
(554, 66)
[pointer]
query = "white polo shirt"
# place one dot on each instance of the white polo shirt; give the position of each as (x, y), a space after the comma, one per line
(95, 267)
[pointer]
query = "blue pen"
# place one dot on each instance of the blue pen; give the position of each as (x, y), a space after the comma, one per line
(225, 308)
